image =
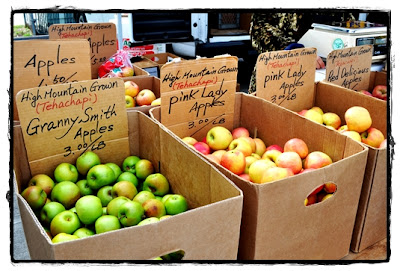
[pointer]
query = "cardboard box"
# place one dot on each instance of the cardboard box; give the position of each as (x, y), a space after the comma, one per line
(138, 71)
(209, 230)
(161, 59)
(371, 222)
(275, 223)
(149, 66)
(145, 82)
(377, 78)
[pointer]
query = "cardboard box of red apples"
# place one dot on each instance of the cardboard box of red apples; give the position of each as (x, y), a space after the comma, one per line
(208, 230)
(278, 221)
(142, 93)
(371, 222)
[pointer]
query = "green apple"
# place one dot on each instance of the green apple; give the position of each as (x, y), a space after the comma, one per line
(157, 184)
(35, 196)
(129, 163)
(128, 176)
(106, 223)
(124, 188)
(66, 221)
(73, 209)
(44, 181)
(130, 213)
(86, 161)
(154, 208)
(176, 204)
(83, 232)
(104, 194)
(165, 197)
(66, 172)
(148, 220)
(84, 187)
(157, 259)
(117, 170)
(114, 204)
(99, 176)
(66, 193)
(142, 196)
(104, 210)
(49, 211)
(144, 168)
(88, 209)
(63, 237)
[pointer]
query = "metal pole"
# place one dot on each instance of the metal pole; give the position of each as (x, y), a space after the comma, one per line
(33, 24)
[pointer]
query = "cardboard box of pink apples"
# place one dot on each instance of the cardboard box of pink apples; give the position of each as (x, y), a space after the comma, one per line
(301, 191)
(208, 230)
(372, 215)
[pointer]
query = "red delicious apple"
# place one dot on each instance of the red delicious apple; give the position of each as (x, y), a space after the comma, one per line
(365, 92)
(380, 92)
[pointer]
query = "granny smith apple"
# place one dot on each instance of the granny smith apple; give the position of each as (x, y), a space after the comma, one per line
(104, 210)
(104, 194)
(165, 197)
(99, 176)
(114, 204)
(63, 237)
(84, 187)
(117, 170)
(66, 221)
(142, 196)
(35, 196)
(49, 211)
(66, 172)
(130, 213)
(66, 193)
(176, 204)
(128, 176)
(165, 217)
(129, 163)
(148, 220)
(157, 184)
(88, 209)
(154, 208)
(73, 209)
(83, 232)
(86, 161)
(44, 181)
(106, 223)
(143, 169)
(124, 188)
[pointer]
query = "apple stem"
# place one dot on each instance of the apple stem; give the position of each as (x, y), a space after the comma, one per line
(255, 132)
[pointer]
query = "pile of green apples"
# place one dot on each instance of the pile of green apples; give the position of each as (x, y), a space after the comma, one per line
(89, 197)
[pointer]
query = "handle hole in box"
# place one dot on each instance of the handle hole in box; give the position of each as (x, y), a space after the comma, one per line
(321, 193)
(177, 255)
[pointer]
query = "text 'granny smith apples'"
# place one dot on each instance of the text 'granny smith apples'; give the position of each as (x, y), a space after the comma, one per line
(91, 197)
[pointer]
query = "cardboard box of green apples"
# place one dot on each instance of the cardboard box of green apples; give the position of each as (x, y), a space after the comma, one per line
(214, 204)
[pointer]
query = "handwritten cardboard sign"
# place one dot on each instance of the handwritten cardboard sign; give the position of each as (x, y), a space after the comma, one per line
(102, 39)
(61, 122)
(43, 62)
(198, 94)
(286, 77)
(350, 67)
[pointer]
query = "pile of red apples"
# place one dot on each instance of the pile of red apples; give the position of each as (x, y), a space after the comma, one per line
(379, 91)
(251, 159)
(358, 124)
